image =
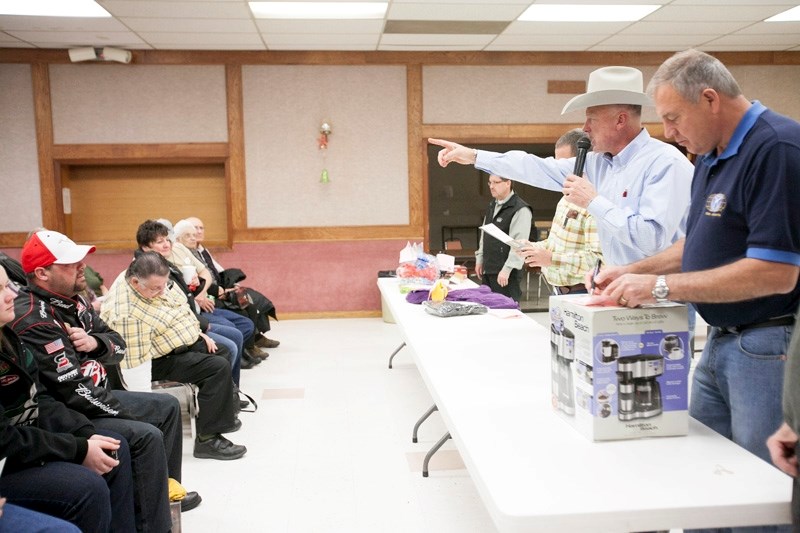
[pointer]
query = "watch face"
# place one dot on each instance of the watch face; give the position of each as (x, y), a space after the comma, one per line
(661, 292)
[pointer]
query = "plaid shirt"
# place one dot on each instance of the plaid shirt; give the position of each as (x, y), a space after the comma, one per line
(574, 243)
(151, 327)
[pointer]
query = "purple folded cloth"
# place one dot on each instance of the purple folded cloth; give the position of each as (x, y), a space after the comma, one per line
(481, 295)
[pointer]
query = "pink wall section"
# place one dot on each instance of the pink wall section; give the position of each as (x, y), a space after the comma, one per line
(299, 277)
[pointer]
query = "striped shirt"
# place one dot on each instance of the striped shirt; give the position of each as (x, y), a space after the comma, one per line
(151, 327)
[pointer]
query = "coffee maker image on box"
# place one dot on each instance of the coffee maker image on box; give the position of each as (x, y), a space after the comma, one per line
(562, 353)
(639, 392)
(609, 350)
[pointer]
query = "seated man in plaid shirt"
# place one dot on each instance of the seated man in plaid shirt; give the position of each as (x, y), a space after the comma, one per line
(159, 327)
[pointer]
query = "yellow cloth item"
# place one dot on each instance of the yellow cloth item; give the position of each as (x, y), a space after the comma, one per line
(439, 291)
(176, 491)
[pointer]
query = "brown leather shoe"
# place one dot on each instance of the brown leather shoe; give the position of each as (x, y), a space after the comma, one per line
(256, 354)
(264, 342)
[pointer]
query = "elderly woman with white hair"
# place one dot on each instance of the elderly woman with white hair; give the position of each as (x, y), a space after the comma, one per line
(245, 300)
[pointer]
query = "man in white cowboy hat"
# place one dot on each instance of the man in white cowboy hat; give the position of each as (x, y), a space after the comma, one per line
(636, 187)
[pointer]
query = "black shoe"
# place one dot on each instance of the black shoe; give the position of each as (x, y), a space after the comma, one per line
(190, 501)
(253, 355)
(247, 362)
(263, 342)
(236, 426)
(218, 447)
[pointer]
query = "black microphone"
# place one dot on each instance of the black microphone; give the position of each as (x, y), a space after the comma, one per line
(583, 146)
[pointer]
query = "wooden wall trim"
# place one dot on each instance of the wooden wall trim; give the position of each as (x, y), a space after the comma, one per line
(511, 133)
(49, 184)
(336, 233)
(109, 154)
(235, 169)
(12, 239)
(417, 184)
(243, 57)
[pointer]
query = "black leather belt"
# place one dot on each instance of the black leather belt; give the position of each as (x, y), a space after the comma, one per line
(771, 323)
(571, 288)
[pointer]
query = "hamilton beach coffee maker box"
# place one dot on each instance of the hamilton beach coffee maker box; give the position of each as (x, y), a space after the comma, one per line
(620, 373)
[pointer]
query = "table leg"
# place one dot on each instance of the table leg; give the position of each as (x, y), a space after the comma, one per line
(433, 451)
(395, 353)
(422, 419)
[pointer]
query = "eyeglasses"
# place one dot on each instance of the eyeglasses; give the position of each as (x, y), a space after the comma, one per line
(495, 182)
(155, 291)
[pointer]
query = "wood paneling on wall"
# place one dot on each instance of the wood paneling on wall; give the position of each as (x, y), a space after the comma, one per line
(105, 217)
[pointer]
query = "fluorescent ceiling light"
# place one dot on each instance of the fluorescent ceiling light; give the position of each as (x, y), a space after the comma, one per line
(53, 8)
(790, 15)
(586, 13)
(318, 10)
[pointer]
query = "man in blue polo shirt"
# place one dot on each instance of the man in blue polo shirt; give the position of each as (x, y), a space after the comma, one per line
(740, 259)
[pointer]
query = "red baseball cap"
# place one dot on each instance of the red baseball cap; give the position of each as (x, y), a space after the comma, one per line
(46, 248)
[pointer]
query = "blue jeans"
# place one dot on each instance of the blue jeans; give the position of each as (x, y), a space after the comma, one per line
(226, 317)
(232, 339)
(16, 519)
(76, 494)
(737, 389)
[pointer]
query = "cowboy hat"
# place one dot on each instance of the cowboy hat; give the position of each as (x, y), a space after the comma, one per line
(611, 85)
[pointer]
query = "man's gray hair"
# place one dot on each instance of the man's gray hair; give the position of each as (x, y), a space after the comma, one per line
(147, 264)
(690, 73)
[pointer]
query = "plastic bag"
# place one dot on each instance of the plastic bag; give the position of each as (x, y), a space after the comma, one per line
(446, 309)
(416, 266)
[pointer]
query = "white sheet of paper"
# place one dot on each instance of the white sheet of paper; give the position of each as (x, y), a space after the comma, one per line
(500, 235)
(445, 262)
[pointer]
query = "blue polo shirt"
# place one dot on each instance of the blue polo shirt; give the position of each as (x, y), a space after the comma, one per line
(746, 203)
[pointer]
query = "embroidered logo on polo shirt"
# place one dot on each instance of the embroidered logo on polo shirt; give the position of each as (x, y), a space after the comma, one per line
(715, 204)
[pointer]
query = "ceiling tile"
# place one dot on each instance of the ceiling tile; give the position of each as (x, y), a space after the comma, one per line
(438, 11)
(319, 26)
(747, 13)
(772, 28)
(321, 39)
(682, 28)
(211, 40)
(668, 42)
(429, 48)
(436, 40)
(190, 25)
(343, 47)
(14, 22)
(573, 41)
(203, 46)
(739, 48)
(451, 27)
(152, 8)
(77, 38)
(564, 28)
(783, 40)
(727, 3)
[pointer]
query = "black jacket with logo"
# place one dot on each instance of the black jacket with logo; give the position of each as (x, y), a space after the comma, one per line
(42, 317)
(34, 428)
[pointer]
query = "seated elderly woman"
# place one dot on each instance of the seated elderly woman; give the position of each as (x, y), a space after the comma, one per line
(249, 302)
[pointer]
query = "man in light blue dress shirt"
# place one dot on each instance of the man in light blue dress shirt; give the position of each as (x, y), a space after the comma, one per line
(636, 187)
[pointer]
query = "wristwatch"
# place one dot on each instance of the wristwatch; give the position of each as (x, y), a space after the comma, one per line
(660, 290)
